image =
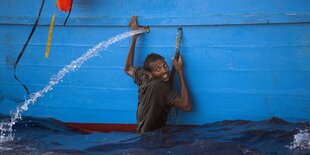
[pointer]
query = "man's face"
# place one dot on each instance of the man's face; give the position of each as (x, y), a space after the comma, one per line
(159, 69)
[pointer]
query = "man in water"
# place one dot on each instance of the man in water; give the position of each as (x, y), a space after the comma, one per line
(156, 97)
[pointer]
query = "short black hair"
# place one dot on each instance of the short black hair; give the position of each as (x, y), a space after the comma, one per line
(149, 59)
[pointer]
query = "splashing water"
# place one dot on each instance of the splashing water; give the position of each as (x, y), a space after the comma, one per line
(301, 140)
(6, 125)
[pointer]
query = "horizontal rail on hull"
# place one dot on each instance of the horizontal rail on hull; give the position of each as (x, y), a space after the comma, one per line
(93, 127)
(216, 19)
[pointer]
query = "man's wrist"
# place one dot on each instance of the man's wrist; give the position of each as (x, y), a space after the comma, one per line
(135, 36)
(180, 71)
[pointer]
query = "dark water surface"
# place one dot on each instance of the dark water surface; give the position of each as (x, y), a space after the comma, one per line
(274, 136)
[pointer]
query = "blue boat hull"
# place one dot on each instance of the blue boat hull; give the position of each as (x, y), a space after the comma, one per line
(243, 59)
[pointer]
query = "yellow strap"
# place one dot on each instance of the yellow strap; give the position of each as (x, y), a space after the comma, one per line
(49, 39)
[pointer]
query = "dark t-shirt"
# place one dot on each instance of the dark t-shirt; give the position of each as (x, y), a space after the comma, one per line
(154, 101)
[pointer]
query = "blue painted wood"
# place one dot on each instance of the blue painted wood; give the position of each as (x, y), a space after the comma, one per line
(242, 59)
(161, 12)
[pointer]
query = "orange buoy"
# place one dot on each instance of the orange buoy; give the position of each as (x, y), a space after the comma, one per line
(64, 5)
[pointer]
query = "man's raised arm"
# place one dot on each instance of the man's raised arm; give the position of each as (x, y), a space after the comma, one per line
(130, 57)
(183, 101)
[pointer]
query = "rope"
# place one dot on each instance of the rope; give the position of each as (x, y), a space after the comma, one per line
(25, 45)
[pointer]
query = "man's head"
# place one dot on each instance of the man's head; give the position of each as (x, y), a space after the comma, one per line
(157, 65)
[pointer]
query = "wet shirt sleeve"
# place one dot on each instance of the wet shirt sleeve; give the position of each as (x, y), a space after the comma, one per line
(138, 73)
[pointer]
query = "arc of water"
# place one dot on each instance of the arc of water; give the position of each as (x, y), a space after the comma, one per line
(6, 125)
